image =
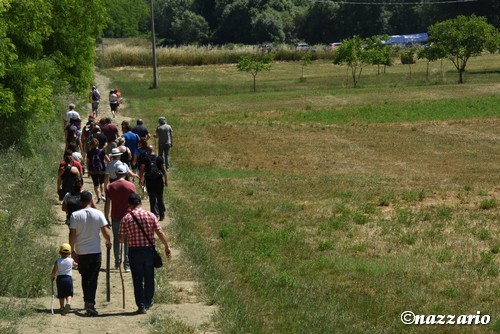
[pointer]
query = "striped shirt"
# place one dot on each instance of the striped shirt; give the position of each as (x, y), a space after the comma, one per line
(149, 223)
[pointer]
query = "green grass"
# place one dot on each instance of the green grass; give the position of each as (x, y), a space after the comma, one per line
(312, 207)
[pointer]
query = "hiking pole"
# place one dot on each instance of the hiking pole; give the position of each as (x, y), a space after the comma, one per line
(121, 275)
(108, 283)
(52, 303)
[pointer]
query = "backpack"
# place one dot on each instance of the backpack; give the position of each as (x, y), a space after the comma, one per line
(152, 170)
(96, 161)
(95, 95)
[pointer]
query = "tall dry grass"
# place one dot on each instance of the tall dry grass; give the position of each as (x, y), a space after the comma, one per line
(119, 55)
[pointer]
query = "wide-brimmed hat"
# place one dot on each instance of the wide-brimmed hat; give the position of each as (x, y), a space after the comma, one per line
(115, 152)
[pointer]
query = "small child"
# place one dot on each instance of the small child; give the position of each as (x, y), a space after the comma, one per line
(62, 269)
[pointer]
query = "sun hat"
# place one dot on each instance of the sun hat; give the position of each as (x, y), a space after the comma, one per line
(121, 169)
(115, 152)
(65, 248)
(162, 119)
(72, 106)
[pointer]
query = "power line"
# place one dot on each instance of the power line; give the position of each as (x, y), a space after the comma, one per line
(388, 3)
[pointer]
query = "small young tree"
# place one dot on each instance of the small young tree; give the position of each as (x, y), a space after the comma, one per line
(305, 61)
(354, 53)
(254, 65)
(378, 52)
(431, 53)
(464, 37)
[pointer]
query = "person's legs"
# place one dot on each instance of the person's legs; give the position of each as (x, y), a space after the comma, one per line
(137, 266)
(89, 266)
(116, 245)
(149, 277)
(153, 201)
(161, 204)
(166, 159)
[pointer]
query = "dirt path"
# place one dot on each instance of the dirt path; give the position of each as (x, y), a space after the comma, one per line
(113, 318)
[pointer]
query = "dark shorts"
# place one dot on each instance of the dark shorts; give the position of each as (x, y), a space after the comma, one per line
(97, 179)
(113, 106)
(95, 105)
(64, 286)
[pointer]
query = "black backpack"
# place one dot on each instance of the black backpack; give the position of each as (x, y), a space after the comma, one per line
(153, 172)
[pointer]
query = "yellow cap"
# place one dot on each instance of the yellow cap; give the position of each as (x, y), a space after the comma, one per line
(65, 249)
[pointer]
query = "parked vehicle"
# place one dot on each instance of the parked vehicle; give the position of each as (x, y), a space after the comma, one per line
(266, 47)
(333, 46)
(304, 47)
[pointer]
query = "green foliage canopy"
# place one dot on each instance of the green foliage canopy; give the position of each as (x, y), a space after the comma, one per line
(46, 47)
(464, 37)
(254, 65)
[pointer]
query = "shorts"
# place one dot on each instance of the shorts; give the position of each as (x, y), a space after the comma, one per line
(97, 179)
(95, 105)
(64, 286)
(113, 106)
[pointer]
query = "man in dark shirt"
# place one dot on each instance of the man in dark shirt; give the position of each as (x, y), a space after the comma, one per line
(141, 130)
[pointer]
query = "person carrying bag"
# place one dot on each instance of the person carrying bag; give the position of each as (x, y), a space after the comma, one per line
(140, 226)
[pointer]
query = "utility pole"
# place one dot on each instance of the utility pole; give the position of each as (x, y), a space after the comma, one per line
(153, 41)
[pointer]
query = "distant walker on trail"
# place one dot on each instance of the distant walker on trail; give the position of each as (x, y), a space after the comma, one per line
(94, 98)
(165, 140)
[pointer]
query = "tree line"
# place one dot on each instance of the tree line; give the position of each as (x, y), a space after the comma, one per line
(284, 21)
(47, 47)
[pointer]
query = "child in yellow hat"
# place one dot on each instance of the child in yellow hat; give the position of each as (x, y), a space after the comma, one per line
(63, 270)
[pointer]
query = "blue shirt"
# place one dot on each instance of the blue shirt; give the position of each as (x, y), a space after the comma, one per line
(131, 141)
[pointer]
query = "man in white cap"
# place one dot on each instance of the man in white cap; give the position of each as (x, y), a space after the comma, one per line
(70, 114)
(165, 140)
(117, 194)
(112, 167)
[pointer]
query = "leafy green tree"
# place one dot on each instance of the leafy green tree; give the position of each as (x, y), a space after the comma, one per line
(42, 54)
(189, 27)
(378, 52)
(356, 54)
(127, 18)
(254, 65)
(431, 53)
(268, 26)
(464, 37)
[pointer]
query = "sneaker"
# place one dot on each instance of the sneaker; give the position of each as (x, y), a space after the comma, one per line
(67, 308)
(61, 310)
(149, 306)
(141, 310)
(127, 269)
(98, 200)
(91, 311)
(103, 198)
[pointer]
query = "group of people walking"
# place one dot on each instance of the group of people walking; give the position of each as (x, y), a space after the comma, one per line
(114, 160)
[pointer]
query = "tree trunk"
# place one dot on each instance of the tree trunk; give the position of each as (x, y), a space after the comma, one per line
(254, 83)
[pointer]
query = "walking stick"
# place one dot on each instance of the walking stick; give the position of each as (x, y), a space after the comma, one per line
(121, 276)
(52, 304)
(108, 283)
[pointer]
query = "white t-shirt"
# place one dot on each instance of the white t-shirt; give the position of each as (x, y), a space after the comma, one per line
(112, 167)
(87, 223)
(64, 266)
(72, 114)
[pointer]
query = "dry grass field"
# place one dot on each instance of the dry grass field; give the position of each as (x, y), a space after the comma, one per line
(312, 207)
